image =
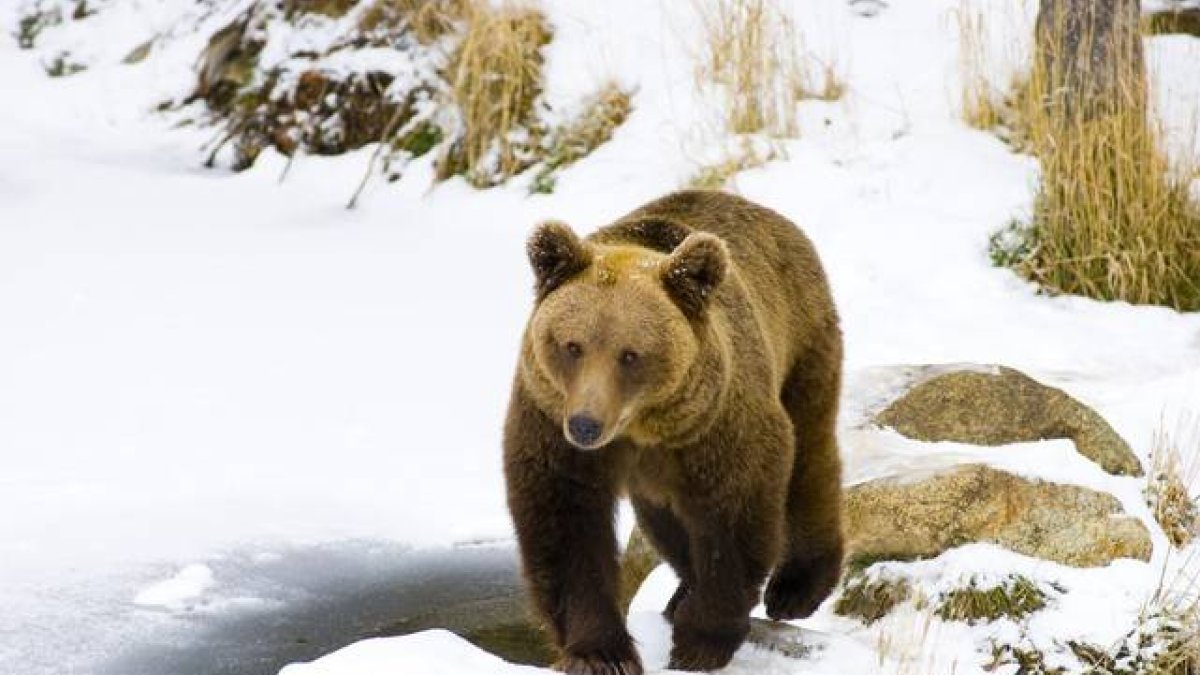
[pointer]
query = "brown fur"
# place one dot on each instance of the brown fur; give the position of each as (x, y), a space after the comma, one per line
(719, 427)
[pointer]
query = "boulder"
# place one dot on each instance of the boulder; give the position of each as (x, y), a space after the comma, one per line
(1001, 405)
(922, 516)
(637, 562)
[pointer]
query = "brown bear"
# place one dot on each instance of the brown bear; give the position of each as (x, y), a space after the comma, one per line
(687, 356)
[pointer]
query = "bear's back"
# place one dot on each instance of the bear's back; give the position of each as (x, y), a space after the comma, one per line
(782, 275)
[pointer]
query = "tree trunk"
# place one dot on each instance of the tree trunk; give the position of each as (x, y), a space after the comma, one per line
(1089, 56)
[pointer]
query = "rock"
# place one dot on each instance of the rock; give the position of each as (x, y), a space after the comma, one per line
(637, 562)
(227, 62)
(1002, 405)
(911, 517)
(780, 637)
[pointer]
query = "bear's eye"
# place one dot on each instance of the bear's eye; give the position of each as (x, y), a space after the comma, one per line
(574, 350)
(629, 357)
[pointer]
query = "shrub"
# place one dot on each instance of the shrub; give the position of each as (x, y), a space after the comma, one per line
(1168, 488)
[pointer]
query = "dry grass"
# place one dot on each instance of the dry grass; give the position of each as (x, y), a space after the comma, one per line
(1171, 479)
(745, 156)
(602, 113)
(1166, 638)
(1113, 219)
(477, 106)
(1181, 624)
(914, 644)
(330, 8)
(1178, 21)
(751, 49)
(979, 99)
(1172, 616)
(429, 20)
(832, 87)
(869, 600)
(495, 76)
(1016, 598)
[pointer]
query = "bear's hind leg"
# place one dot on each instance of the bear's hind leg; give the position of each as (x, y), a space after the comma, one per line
(812, 561)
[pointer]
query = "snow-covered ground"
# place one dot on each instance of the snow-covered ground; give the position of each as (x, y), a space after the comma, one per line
(195, 363)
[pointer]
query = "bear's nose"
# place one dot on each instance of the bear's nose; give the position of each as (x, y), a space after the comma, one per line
(584, 429)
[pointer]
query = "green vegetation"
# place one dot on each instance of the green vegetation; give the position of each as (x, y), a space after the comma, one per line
(31, 25)
(870, 599)
(1016, 598)
(593, 127)
(62, 66)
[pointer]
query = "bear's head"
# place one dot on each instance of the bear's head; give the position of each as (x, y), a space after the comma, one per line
(617, 330)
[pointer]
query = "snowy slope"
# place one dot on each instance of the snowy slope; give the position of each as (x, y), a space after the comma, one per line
(194, 362)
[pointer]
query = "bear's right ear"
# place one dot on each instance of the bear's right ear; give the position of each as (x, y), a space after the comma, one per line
(694, 270)
(555, 254)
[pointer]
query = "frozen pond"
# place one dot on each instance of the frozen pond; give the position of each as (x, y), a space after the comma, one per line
(286, 606)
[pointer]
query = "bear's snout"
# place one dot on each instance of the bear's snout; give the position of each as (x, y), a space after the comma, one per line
(584, 430)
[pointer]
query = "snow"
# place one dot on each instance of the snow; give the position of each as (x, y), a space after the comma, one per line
(178, 591)
(831, 653)
(436, 652)
(195, 364)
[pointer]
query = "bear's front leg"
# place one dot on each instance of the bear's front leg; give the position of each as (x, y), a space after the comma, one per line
(563, 502)
(713, 618)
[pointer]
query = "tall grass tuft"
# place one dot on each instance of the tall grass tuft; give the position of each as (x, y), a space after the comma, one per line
(979, 97)
(1113, 219)
(495, 77)
(595, 124)
(743, 155)
(1172, 479)
(751, 49)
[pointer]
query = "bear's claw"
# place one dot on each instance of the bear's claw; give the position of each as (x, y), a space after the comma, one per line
(598, 663)
(699, 656)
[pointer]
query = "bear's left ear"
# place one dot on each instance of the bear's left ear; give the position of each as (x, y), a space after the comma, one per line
(555, 254)
(694, 270)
